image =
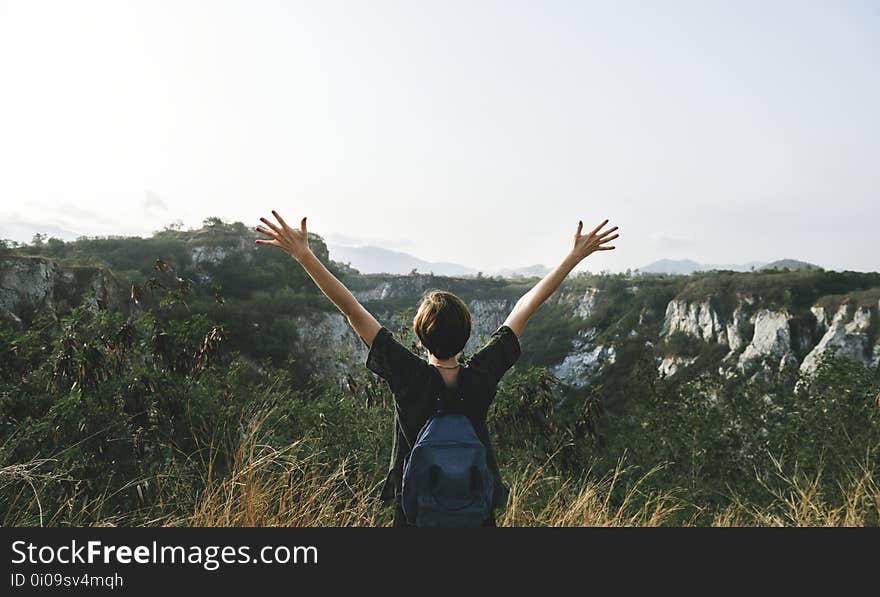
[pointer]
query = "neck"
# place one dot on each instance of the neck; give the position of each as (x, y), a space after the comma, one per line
(449, 363)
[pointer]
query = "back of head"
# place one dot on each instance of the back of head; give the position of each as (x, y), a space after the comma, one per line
(442, 323)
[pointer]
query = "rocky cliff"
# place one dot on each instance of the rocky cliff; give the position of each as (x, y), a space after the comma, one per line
(750, 324)
(761, 339)
(28, 284)
(758, 338)
(203, 250)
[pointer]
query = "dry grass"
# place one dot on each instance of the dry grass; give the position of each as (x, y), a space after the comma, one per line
(291, 487)
(585, 502)
(26, 477)
(280, 488)
(801, 502)
(295, 486)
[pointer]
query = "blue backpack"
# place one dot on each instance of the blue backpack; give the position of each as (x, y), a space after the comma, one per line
(446, 476)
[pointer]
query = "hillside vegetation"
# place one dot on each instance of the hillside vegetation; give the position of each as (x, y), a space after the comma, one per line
(174, 380)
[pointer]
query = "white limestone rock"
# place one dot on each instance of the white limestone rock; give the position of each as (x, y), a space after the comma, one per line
(860, 322)
(821, 316)
(670, 365)
(581, 304)
(846, 335)
(377, 293)
(486, 316)
(39, 282)
(583, 363)
(396, 286)
(771, 340)
(201, 255)
(734, 329)
(647, 316)
(696, 319)
(27, 281)
(587, 303)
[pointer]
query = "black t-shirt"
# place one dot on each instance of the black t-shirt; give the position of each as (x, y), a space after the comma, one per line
(415, 385)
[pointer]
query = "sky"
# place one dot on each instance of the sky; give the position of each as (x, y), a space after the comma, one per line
(476, 132)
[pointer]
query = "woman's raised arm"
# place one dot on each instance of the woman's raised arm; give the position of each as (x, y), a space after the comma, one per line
(583, 246)
(296, 244)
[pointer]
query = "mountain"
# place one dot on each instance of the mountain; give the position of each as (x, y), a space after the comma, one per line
(671, 266)
(688, 266)
(791, 265)
(539, 270)
(376, 260)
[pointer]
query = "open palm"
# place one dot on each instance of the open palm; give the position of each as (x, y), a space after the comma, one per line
(585, 244)
(293, 241)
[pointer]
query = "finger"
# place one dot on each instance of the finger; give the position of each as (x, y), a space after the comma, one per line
(606, 232)
(598, 228)
(609, 239)
(580, 227)
(280, 219)
(604, 248)
(264, 231)
(302, 226)
(270, 225)
(273, 243)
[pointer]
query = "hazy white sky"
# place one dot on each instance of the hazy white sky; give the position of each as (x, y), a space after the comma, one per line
(475, 132)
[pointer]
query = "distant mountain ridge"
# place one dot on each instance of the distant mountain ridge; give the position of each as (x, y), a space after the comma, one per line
(792, 265)
(689, 266)
(369, 259)
(376, 260)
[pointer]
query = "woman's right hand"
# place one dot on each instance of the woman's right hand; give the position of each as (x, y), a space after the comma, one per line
(290, 240)
(585, 244)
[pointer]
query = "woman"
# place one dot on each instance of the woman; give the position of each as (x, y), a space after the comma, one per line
(443, 326)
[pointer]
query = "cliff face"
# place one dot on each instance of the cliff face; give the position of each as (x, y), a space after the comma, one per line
(696, 319)
(336, 348)
(28, 284)
(331, 343)
(204, 252)
(770, 346)
(762, 340)
(587, 355)
(590, 326)
(585, 360)
(847, 334)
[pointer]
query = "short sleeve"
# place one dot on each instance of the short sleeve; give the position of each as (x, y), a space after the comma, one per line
(392, 361)
(498, 354)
